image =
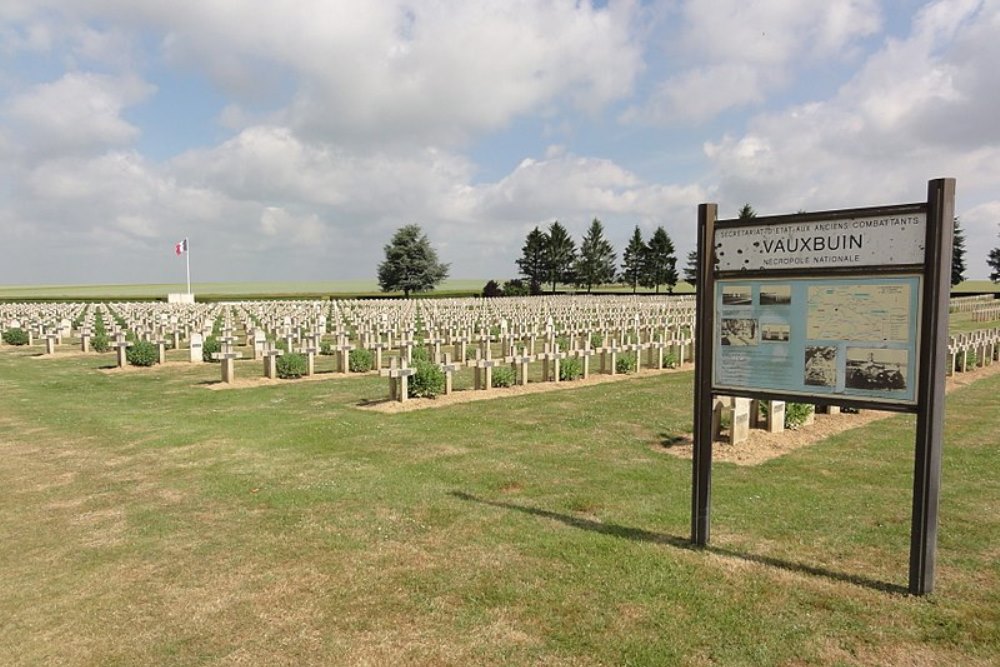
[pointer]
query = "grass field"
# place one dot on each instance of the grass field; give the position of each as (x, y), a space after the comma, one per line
(148, 520)
(318, 289)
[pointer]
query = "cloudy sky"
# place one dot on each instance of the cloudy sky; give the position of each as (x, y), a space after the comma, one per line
(288, 139)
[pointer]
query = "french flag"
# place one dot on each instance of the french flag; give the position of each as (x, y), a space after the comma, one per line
(181, 248)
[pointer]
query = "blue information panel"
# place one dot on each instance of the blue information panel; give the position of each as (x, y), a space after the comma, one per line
(826, 337)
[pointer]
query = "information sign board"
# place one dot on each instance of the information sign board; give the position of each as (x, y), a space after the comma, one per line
(821, 337)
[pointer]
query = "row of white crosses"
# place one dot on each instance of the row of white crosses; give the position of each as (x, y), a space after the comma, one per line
(526, 330)
(988, 313)
(49, 322)
(965, 304)
(520, 358)
(983, 345)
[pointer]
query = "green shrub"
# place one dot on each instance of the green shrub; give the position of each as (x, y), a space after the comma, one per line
(571, 368)
(100, 342)
(502, 376)
(796, 414)
(596, 341)
(420, 355)
(427, 381)
(670, 360)
(282, 344)
(562, 342)
(210, 346)
(359, 361)
(142, 353)
(492, 289)
(291, 365)
(626, 363)
(515, 287)
(326, 348)
(15, 337)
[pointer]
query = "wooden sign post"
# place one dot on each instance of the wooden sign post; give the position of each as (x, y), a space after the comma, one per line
(841, 308)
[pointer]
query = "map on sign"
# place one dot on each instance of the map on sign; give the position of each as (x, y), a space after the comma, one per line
(859, 312)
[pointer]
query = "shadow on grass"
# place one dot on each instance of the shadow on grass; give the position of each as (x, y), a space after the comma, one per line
(667, 440)
(368, 402)
(640, 535)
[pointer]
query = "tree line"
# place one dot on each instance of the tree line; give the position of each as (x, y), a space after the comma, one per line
(551, 257)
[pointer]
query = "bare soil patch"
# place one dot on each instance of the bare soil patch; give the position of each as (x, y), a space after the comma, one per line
(70, 354)
(762, 446)
(261, 381)
(468, 396)
(129, 368)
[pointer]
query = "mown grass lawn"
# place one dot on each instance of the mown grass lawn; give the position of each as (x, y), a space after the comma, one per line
(148, 520)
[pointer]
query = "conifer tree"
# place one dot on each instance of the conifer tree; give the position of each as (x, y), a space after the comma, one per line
(633, 260)
(691, 269)
(532, 261)
(596, 263)
(746, 212)
(560, 255)
(411, 264)
(660, 266)
(994, 263)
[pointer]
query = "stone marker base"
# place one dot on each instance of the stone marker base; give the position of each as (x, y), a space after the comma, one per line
(180, 297)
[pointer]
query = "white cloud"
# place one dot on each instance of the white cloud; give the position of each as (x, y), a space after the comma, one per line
(733, 53)
(269, 164)
(381, 71)
(78, 112)
(700, 94)
(775, 32)
(278, 223)
(873, 143)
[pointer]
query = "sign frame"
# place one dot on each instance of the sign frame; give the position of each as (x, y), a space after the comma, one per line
(930, 344)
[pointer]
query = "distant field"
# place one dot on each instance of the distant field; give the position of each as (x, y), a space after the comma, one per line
(240, 289)
(976, 287)
(322, 289)
(318, 289)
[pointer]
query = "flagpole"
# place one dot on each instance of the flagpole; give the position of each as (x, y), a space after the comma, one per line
(187, 260)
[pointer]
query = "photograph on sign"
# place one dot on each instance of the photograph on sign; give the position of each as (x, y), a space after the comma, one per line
(876, 368)
(739, 331)
(820, 366)
(820, 337)
(775, 295)
(775, 332)
(737, 295)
